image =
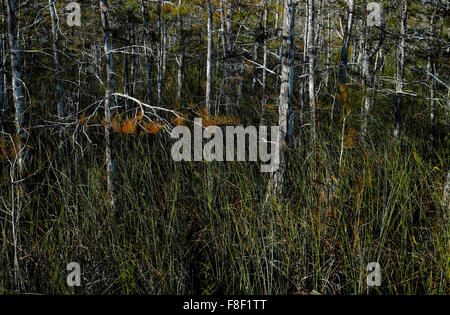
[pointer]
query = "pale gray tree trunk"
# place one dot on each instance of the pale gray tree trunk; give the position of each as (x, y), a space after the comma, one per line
(224, 53)
(109, 106)
(265, 52)
(164, 50)
(2, 82)
(229, 40)
(318, 22)
(17, 84)
(3, 57)
(21, 134)
(181, 54)
(209, 57)
(126, 79)
(286, 90)
(305, 67)
(431, 74)
(431, 70)
(160, 54)
(447, 193)
(277, 15)
(400, 68)
(148, 66)
(328, 33)
(133, 66)
(368, 80)
(368, 51)
(229, 51)
(255, 59)
(59, 70)
(311, 71)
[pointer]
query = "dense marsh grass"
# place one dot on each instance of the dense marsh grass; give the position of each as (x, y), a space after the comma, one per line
(204, 228)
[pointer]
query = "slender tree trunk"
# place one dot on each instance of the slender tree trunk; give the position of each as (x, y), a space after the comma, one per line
(311, 70)
(133, 66)
(229, 51)
(368, 82)
(264, 73)
(328, 48)
(21, 134)
(277, 13)
(224, 51)
(181, 54)
(447, 193)
(164, 50)
(126, 79)
(209, 57)
(318, 24)
(59, 70)
(148, 65)
(109, 106)
(160, 54)
(2, 83)
(400, 68)
(342, 77)
(304, 80)
(346, 43)
(265, 51)
(17, 84)
(432, 72)
(368, 51)
(255, 59)
(286, 90)
(3, 55)
(229, 40)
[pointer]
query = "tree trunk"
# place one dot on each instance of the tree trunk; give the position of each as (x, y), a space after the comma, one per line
(346, 43)
(209, 57)
(21, 134)
(264, 74)
(59, 70)
(181, 54)
(133, 66)
(255, 59)
(2, 83)
(400, 68)
(447, 193)
(17, 84)
(160, 55)
(164, 50)
(148, 66)
(368, 81)
(432, 72)
(229, 51)
(277, 15)
(286, 90)
(311, 70)
(328, 48)
(109, 107)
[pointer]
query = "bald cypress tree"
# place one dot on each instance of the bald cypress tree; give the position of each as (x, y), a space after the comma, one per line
(286, 90)
(58, 67)
(209, 60)
(21, 134)
(109, 106)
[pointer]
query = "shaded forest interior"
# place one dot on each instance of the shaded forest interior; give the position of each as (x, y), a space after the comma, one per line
(89, 94)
